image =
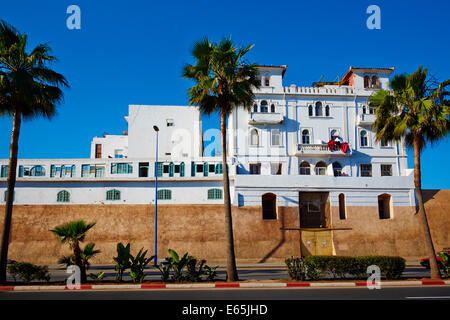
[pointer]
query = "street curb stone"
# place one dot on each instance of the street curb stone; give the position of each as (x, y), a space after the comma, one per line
(226, 285)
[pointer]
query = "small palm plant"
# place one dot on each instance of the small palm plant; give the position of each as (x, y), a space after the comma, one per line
(73, 233)
(138, 264)
(122, 260)
(86, 254)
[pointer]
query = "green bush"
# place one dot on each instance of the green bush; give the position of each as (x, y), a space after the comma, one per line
(186, 268)
(296, 268)
(28, 272)
(195, 269)
(445, 263)
(138, 265)
(210, 273)
(316, 267)
(122, 260)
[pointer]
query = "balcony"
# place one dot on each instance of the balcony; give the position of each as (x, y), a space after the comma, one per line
(320, 150)
(265, 118)
(366, 119)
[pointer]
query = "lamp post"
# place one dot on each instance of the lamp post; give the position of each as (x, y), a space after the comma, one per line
(155, 262)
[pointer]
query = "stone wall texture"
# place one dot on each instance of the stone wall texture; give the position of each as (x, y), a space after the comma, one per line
(199, 230)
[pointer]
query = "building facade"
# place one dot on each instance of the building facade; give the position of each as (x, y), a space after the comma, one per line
(307, 177)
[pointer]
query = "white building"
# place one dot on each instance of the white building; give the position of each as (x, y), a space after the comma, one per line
(278, 155)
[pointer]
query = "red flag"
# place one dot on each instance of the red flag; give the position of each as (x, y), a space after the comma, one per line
(344, 147)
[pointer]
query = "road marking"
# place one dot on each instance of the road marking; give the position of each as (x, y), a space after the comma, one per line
(441, 297)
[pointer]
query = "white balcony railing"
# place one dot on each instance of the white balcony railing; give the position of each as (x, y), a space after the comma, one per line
(366, 119)
(320, 150)
(265, 118)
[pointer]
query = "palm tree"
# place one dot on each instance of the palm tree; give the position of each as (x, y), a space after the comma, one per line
(223, 81)
(86, 254)
(73, 233)
(28, 88)
(416, 110)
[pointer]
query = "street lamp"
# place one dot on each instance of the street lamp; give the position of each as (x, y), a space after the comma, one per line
(155, 263)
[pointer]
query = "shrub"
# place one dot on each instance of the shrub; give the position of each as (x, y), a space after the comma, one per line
(177, 264)
(315, 267)
(296, 268)
(97, 276)
(122, 260)
(210, 273)
(28, 272)
(195, 269)
(138, 264)
(445, 263)
(164, 268)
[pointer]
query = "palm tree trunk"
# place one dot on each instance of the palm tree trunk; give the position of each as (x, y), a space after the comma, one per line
(79, 262)
(232, 274)
(13, 150)
(434, 270)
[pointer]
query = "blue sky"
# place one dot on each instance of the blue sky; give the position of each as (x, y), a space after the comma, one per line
(132, 52)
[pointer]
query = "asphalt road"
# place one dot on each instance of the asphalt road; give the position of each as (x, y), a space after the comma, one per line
(397, 293)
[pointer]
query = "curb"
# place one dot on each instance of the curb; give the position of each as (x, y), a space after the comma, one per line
(228, 285)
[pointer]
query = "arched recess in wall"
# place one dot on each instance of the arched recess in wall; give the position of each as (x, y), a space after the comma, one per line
(385, 208)
(305, 168)
(342, 208)
(254, 137)
(321, 168)
(269, 206)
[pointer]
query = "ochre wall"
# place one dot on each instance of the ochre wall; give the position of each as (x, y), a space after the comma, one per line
(199, 230)
(402, 235)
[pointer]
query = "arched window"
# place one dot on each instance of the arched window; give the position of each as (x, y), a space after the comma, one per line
(364, 140)
(327, 111)
(182, 169)
(269, 206)
(164, 194)
(310, 110)
(384, 206)
(255, 108)
(215, 194)
(37, 171)
(254, 137)
(318, 109)
(113, 194)
(63, 196)
(337, 169)
(272, 108)
(342, 211)
(321, 168)
(306, 138)
(276, 137)
(305, 168)
(364, 109)
(366, 82)
(375, 82)
(264, 107)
